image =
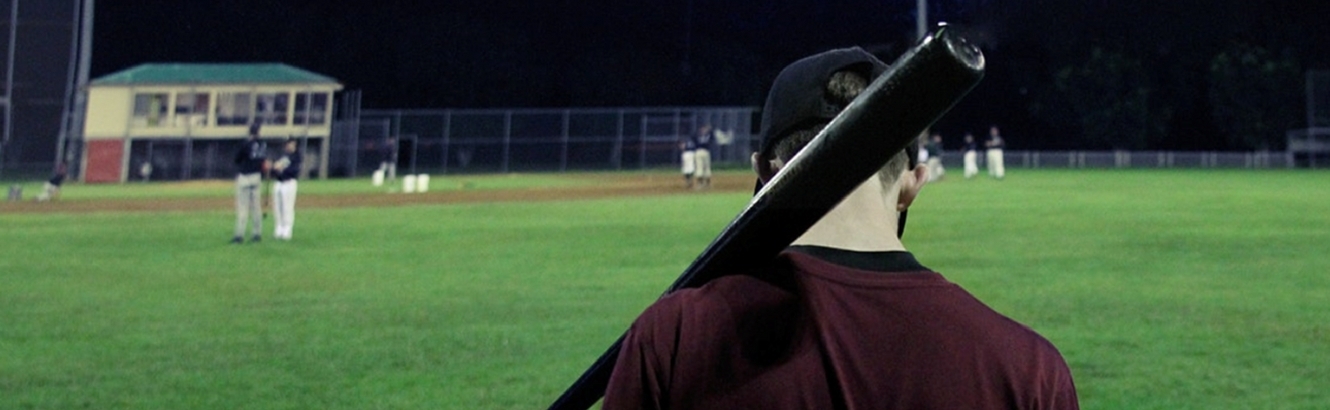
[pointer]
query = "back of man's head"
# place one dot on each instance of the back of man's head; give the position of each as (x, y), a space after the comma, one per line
(807, 95)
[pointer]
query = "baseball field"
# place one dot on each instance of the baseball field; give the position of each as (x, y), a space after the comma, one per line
(1176, 289)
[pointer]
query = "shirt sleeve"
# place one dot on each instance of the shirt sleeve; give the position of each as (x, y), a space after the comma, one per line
(242, 154)
(1063, 396)
(639, 374)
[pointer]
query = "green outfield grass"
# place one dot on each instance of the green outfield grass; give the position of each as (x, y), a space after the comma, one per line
(222, 187)
(1163, 289)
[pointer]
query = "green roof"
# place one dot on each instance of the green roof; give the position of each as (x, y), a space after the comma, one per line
(224, 73)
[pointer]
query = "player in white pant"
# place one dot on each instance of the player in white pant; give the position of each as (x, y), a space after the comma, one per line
(687, 161)
(971, 156)
(284, 191)
(995, 145)
(702, 142)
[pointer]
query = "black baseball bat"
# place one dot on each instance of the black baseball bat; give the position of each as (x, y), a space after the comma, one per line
(918, 88)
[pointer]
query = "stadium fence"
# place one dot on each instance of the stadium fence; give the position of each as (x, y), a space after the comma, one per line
(552, 140)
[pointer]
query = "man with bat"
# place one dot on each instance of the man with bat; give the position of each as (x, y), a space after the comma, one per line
(844, 317)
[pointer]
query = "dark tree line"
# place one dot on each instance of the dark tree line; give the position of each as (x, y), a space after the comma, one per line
(1098, 74)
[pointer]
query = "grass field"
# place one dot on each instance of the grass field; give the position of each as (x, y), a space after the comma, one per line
(1163, 289)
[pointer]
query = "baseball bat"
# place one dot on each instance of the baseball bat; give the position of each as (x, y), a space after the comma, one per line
(918, 88)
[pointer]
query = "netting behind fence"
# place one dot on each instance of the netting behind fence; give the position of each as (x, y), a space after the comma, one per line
(539, 139)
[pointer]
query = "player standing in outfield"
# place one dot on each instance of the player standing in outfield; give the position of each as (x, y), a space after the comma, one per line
(287, 170)
(687, 160)
(843, 318)
(995, 144)
(51, 190)
(702, 142)
(388, 163)
(935, 170)
(250, 163)
(971, 156)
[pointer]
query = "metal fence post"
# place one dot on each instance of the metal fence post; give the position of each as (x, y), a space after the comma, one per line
(563, 156)
(618, 145)
(642, 146)
(447, 133)
(507, 137)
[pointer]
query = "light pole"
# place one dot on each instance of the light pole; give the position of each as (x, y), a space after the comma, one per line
(9, 84)
(921, 19)
(71, 126)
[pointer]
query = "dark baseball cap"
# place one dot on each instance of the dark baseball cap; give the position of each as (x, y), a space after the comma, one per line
(798, 98)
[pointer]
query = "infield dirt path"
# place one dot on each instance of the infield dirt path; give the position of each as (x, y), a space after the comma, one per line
(598, 186)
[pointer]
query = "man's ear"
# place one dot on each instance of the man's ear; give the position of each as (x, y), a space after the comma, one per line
(911, 183)
(762, 167)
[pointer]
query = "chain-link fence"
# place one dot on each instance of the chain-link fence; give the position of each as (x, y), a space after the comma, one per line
(1131, 159)
(1311, 146)
(531, 140)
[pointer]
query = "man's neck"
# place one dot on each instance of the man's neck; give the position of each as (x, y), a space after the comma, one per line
(861, 222)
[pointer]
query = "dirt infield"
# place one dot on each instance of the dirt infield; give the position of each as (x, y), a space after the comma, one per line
(599, 186)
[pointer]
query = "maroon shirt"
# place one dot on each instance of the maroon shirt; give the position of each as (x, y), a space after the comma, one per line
(818, 335)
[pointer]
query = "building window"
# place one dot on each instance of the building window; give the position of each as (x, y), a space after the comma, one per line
(191, 109)
(311, 108)
(271, 107)
(234, 108)
(150, 109)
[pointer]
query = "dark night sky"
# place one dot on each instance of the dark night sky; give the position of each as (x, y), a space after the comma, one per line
(503, 53)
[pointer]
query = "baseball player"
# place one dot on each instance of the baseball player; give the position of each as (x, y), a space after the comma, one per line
(702, 154)
(286, 170)
(995, 144)
(51, 190)
(845, 317)
(971, 156)
(687, 160)
(388, 163)
(935, 169)
(250, 163)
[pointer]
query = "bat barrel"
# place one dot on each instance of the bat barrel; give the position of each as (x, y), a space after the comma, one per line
(918, 88)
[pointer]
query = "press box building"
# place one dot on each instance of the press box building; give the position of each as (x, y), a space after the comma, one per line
(185, 121)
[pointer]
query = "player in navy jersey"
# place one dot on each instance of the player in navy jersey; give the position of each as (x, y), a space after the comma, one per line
(286, 172)
(250, 160)
(971, 156)
(702, 142)
(688, 159)
(995, 145)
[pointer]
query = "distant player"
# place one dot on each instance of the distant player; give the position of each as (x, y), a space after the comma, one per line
(995, 144)
(51, 190)
(389, 161)
(703, 140)
(687, 160)
(971, 156)
(286, 170)
(935, 170)
(250, 161)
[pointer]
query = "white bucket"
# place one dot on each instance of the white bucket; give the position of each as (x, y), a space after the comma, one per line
(422, 183)
(409, 184)
(377, 178)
